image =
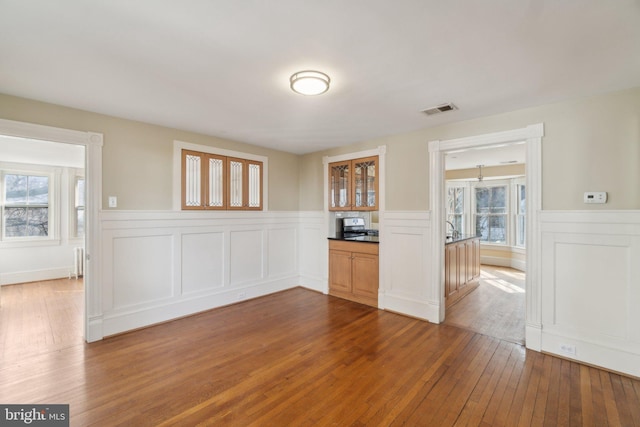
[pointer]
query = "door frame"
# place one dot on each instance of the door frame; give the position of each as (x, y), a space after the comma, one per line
(532, 135)
(92, 142)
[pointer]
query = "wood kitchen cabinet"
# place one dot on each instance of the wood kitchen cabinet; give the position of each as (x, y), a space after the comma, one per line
(353, 185)
(462, 268)
(353, 271)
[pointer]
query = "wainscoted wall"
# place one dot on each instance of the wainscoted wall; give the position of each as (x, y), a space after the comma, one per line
(591, 287)
(162, 265)
(405, 263)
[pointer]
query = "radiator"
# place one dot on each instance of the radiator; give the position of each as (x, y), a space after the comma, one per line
(78, 262)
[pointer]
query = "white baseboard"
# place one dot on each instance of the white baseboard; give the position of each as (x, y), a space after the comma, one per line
(410, 306)
(34, 276)
(618, 360)
(314, 284)
(117, 322)
(503, 262)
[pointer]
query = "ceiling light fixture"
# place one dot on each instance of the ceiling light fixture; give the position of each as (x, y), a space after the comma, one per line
(309, 82)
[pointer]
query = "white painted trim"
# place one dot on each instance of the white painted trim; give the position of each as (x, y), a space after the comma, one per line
(93, 166)
(34, 275)
(437, 149)
(178, 146)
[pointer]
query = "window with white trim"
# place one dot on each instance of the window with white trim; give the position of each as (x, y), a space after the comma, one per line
(491, 213)
(27, 204)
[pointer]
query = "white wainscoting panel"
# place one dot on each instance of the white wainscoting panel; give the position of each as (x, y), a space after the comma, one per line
(157, 266)
(283, 251)
(203, 261)
(591, 287)
(405, 265)
(314, 251)
(142, 269)
(246, 256)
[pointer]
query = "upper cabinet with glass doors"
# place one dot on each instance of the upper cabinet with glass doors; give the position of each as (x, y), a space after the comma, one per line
(353, 185)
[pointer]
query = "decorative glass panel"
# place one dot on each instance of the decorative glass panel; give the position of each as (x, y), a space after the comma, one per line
(193, 186)
(365, 185)
(216, 182)
(255, 178)
(339, 186)
(235, 184)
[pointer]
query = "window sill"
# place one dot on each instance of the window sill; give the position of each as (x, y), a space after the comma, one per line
(29, 243)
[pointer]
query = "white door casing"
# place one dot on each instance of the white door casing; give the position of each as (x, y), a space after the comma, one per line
(532, 135)
(93, 175)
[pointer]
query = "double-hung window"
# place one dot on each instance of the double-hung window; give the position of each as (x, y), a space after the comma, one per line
(491, 210)
(26, 210)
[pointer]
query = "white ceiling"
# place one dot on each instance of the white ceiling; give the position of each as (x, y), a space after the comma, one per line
(36, 152)
(497, 155)
(222, 67)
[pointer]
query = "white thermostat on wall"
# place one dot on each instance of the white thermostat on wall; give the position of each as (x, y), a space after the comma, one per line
(595, 197)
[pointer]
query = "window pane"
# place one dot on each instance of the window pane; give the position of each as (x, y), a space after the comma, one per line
(26, 222)
(255, 176)
(491, 228)
(79, 193)
(16, 189)
(216, 181)
(193, 189)
(498, 200)
(482, 200)
(38, 190)
(235, 184)
(80, 222)
(522, 200)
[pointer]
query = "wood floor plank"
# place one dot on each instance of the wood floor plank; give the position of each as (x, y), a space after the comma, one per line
(293, 358)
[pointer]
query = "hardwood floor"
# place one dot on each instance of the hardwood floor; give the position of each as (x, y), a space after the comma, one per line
(495, 308)
(299, 358)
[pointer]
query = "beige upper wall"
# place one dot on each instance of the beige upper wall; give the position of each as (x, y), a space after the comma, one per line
(137, 157)
(591, 144)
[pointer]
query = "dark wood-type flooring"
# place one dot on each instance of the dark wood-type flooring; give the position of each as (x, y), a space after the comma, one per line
(299, 358)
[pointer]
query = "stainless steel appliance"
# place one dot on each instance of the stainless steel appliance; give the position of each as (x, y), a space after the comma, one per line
(352, 228)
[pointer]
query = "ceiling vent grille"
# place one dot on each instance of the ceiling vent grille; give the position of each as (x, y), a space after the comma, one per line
(440, 109)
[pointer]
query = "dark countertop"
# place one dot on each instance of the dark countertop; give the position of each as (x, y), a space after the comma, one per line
(460, 238)
(365, 239)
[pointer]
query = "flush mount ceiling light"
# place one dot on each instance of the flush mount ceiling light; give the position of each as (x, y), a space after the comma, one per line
(309, 82)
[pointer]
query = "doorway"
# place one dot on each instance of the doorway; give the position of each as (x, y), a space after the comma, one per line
(92, 143)
(532, 135)
(486, 198)
(41, 244)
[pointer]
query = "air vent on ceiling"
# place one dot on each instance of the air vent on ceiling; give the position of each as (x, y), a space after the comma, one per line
(440, 109)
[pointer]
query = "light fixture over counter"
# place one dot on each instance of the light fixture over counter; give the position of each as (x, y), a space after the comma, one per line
(309, 82)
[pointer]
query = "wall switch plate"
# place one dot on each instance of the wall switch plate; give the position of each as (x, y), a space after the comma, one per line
(595, 197)
(113, 202)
